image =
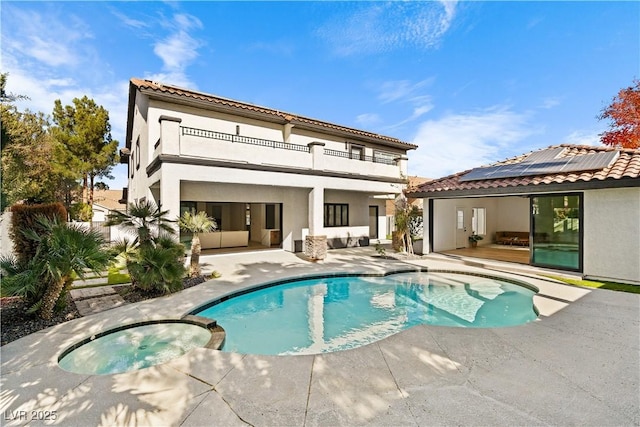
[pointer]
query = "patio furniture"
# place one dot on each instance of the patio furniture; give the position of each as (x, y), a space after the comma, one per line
(512, 238)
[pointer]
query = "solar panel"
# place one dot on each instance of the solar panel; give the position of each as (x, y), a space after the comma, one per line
(542, 163)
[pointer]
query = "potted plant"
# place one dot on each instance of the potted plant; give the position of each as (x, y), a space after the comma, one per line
(474, 238)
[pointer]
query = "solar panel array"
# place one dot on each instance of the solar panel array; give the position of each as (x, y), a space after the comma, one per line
(544, 162)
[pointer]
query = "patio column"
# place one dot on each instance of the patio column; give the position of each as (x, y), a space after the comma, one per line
(170, 197)
(316, 241)
(426, 244)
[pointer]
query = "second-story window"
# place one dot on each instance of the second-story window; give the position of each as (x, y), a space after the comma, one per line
(138, 153)
(385, 158)
(356, 152)
(131, 163)
(336, 214)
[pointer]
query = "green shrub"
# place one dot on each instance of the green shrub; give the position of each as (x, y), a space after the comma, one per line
(25, 217)
(23, 279)
(64, 251)
(154, 260)
(81, 212)
(159, 268)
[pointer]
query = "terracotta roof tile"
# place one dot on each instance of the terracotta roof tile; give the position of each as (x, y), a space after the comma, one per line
(286, 117)
(626, 165)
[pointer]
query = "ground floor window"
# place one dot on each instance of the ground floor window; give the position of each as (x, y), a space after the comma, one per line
(336, 215)
(557, 237)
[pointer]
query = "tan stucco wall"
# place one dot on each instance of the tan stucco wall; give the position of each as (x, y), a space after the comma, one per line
(612, 234)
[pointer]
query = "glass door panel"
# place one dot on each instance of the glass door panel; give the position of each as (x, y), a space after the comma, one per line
(557, 240)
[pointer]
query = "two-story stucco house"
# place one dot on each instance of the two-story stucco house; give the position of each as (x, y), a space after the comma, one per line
(268, 177)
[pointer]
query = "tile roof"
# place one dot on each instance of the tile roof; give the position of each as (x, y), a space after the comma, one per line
(625, 167)
(109, 199)
(284, 116)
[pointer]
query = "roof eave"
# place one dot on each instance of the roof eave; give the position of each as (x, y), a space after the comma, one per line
(270, 117)
(130, 111)
(529, 189)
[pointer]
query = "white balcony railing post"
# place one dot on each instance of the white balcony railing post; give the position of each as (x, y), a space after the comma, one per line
(317, 153)
(169, 135)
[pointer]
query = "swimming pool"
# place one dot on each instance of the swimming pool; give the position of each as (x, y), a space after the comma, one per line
(320, 315)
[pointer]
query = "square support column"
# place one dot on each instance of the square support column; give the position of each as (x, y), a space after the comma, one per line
(170, 198)
(316, 242)
(426, 244)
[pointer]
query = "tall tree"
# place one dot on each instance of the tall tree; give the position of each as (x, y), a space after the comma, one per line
(85, 144)
(28, 171)
(624, 113)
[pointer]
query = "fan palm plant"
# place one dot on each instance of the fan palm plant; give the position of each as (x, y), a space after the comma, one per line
(154, 260)
(158, 268)
(196, 223)
(63, 250)
(144, 219)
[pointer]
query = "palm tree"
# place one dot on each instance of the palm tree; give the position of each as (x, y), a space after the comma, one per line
(154, 260)
(63, 250)
(144, 219)
(196, 223)
(402, 222)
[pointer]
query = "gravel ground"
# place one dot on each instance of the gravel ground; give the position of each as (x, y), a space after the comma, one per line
(17, 323)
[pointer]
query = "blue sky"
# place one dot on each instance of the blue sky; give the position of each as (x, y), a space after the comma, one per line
(470, 82)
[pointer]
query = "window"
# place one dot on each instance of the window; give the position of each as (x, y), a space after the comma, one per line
(385, 158)
(138, 153)
(460, 219)
(336, 215)
(357, 152)
(479, 221)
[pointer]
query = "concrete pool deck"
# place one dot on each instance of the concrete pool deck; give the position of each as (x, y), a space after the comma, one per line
(578, 364)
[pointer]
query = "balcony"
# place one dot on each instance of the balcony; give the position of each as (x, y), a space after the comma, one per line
(222, 146)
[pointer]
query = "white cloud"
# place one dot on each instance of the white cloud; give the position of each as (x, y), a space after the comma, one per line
(49, 40)
(550, 102)
(368, 120)
(129, 22)
(401, 89)
(177, 51)
(457, 142)
(406, 92)
(584, 137)
(381, 27)
(40, 50)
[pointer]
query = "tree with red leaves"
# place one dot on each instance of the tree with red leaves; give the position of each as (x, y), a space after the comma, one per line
(624, 113)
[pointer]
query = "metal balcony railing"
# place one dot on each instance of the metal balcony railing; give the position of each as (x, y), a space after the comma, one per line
(243, 139)
(348, 155)
(221, 136)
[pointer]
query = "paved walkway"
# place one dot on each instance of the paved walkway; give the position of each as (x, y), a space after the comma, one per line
(578, 364)
(95, 300)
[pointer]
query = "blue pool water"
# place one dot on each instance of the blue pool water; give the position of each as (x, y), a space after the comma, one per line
(337, 313)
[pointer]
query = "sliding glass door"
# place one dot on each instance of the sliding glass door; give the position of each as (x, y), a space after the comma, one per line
(556, 227)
